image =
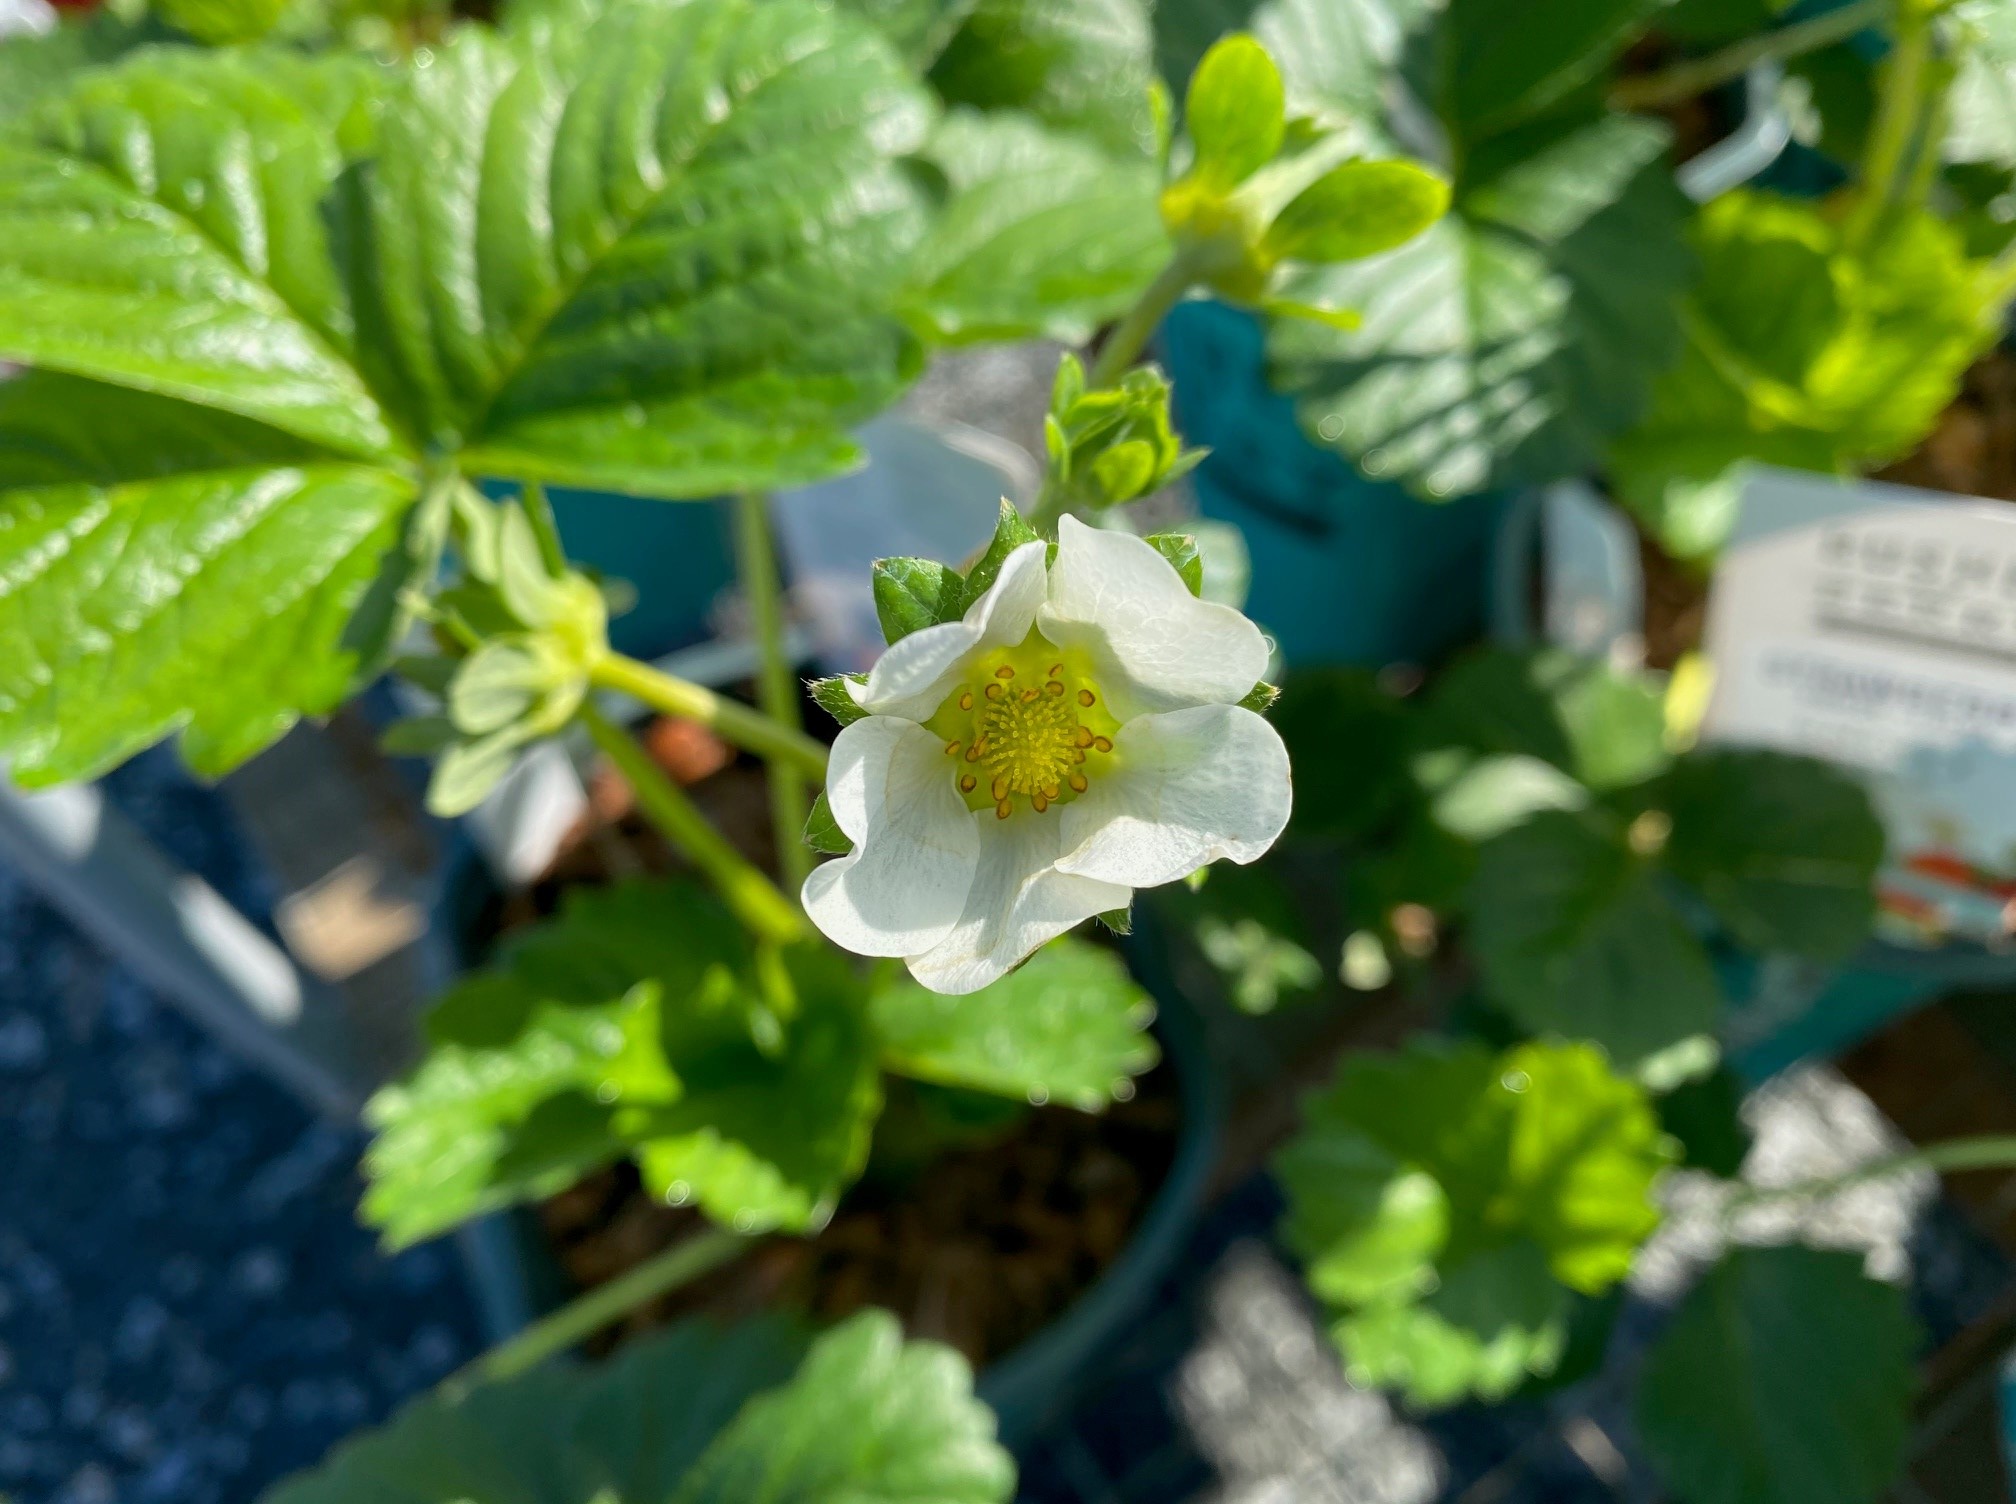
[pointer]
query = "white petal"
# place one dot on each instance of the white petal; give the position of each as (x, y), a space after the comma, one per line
(914, 676)
(1157, 647)
(1187, 788)
(1017, 901)
(903, 886)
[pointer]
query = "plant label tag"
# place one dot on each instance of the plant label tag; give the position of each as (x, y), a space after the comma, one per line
(1875, 626)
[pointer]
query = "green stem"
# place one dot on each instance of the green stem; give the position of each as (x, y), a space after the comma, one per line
(776, 684)
(1899, 116)
(756, 901)
(588, 1313)
(735, 721)
(1990, 1152)
(1131, 335)
(546, 531)
(1698, 75)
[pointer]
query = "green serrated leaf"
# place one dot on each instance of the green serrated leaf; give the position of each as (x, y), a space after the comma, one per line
(1357, 210)
(1784, 849)
(1508, 341)
(1085, 66)
(613, 351)
(696, 1414)
(34, 66)
(1342, 721)
(920, 29)
(1605, 728)
(1010, 533)
(625, 1025)
(766, 1141)
(1448, 1199)
(1234, 111)
(1180, 549)
(1069, 1026)
(832, 697)
(168, 567)
(911, 1427)
(1492, 70)
(1704, 1116)
(914, 593)
(822, 832)
(1573, 936)
(1786, 1378)
(210, 275)
(1800, 352)
(1044, 233)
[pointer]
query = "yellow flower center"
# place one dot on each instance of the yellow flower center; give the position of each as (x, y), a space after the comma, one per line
(1029, 725)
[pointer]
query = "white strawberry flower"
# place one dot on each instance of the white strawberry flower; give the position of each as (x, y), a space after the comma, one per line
(1076, 736)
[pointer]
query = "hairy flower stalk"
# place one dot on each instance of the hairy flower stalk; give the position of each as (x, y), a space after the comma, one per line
(1076, 736)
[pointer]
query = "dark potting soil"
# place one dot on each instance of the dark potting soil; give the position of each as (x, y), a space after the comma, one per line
(1972, 452)
(978, 1222)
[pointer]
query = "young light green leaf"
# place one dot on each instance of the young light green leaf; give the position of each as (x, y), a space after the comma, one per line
(468, 768)
(1044, 233)
(1448, 1199)
(822, 832)
(1180, 549)
(1784, 849)
(1786, 1378)
(697, 1414)
(1803, 352)
(1070, 1026)
(1573, 935)
(1356, 210)
(914, 593)
(1234, 111)
(1260, 967)
(1510, 339)
(169, 567)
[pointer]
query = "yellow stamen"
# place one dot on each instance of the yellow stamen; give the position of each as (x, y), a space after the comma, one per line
(999, 788)
(1079, 783)
(1004, 672)
(1083, 737)
(1002, 810)
(968, 784)
(1102, 744)
(1039, 802)
(1087, 698)
(966, 700)
(953, 749)
(994, 691)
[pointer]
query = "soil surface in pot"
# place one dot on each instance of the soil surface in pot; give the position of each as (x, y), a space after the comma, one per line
(1971, 453)
(979, 1222)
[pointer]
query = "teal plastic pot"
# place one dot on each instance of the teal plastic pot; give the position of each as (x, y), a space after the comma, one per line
(515, 1278)
(1345, 569)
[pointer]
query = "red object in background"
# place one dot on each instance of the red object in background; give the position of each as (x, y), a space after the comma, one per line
(75, 4)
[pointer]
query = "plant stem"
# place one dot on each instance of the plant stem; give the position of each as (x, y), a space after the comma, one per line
(776, 685)
(757, 901)
(1899, 118)
(735, 721)
(1990, 1152)
(1698, 75)
(1131, 335)
(539, 512)
(588, 1313)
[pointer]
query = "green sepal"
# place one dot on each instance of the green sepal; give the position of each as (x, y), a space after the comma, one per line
(1180, 549)
(830, 694)
(822, 832)
(914, 593)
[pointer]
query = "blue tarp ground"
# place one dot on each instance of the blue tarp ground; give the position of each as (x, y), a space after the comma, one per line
(188, 1309)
